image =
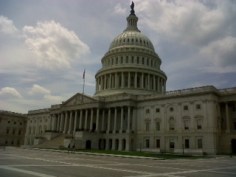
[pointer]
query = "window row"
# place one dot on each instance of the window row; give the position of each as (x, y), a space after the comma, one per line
(13, 131)
(14, 122)
(171, 109)
(136, 41)
(172, 124)
(40, 120)
(151, 62)
(186, 143)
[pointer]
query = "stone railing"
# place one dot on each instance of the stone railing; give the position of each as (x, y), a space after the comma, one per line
(228, 90)
(55, 106)
(181, 92)
(39, 111)
(192, 90)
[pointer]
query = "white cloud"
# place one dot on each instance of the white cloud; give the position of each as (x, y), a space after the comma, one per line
(118, 9)
(46, 94)
(7, 26)
(53, 99)
(221, 54)
(37, 89)
(189, 22)
(54, 45)
(9, 91)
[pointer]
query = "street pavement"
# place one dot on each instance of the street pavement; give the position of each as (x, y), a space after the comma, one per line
(18, 162)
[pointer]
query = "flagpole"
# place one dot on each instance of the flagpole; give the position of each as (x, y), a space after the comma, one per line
(83, 85)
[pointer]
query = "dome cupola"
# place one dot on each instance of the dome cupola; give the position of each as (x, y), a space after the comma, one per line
(131, 64)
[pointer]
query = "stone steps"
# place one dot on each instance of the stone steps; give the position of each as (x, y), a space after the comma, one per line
(54, 143)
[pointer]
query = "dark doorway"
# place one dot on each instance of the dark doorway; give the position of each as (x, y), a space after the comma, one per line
(93, 127)
(233, 146)
(88, 144)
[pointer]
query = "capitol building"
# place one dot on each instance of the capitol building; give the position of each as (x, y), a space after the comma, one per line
(132, 111)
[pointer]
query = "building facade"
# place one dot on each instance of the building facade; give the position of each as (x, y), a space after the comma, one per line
(131, 109)
(12, 128)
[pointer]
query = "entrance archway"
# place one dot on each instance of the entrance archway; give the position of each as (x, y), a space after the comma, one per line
(233, 146)
(88, 144)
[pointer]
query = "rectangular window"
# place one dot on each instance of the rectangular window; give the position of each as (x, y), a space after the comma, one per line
(157, 110)
(147, 111)
(199, 143)
(185, 108)
(186, 143)
(158, 143)
(198, 106)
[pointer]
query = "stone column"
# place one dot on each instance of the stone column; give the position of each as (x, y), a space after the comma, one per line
(61, 122)
(110, 85)
(107, 144)
(154, 83)
(128, 124)
(120, 144)
(97, 120)
(227, 117)
(86, 120)
(127, 144)
(115, 119)
(91, 120)
(70, 121)
(149, 85)
(103, 120)
(53, 122)
(66, 122)
(50, 124)
(129, 80)
(57, 122)
(75, 122)
(135, 80)
(105, 81)
(113, 144)
(80, 119)
(122, 80)
(142, 82)
(116, 81)
(109, 120)
(121, 119)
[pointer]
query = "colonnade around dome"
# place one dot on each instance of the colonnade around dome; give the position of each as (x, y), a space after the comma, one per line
(140, 81)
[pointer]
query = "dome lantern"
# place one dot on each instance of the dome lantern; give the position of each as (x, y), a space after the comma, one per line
(132, 20)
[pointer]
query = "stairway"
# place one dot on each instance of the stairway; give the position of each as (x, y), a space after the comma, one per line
(55, 143)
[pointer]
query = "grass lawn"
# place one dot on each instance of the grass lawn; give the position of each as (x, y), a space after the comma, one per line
(147, 154)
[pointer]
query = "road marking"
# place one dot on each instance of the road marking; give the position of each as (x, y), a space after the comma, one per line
(182, 172)
(221, 172)
(88, 165)
(25, 171)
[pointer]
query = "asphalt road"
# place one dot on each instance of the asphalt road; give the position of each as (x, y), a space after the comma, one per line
(17, 162)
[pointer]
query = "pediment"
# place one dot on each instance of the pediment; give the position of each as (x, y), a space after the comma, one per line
(79, 99)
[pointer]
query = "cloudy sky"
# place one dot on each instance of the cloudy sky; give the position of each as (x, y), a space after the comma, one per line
(45, 45)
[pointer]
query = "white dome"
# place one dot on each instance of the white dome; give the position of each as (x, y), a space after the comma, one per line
(131, 38)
